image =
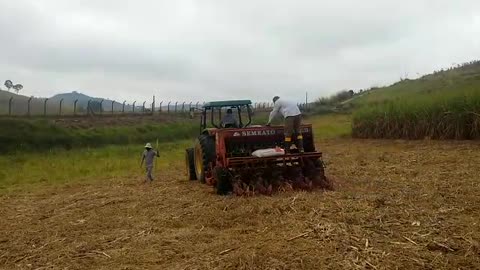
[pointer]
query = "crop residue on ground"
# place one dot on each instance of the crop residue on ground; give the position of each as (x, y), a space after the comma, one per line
(406, 205)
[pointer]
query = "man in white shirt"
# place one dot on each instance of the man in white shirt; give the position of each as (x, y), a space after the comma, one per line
(293, 119)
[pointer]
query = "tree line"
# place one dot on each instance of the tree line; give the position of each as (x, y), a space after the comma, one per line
(9, 85)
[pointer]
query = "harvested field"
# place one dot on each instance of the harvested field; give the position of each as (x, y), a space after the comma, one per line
(397, 205)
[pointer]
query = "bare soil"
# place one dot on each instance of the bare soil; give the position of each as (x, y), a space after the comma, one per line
(397, 205)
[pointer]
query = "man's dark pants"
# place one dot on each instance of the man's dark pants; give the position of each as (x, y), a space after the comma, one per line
(292, 127)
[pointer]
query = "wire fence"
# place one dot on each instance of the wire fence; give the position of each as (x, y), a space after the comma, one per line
(30, 107)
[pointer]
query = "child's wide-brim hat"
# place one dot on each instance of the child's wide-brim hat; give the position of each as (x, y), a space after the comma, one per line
(148, 145)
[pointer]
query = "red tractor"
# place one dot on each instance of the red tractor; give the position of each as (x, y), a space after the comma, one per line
(222, 155)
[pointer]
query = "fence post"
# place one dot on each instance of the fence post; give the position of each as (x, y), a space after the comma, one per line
(123, 106)
(183, 106)
(113, 101)
(190, 106)
(28, 106)
(153, 106)
(143, 107)
(75, 107)
(161, 106)
(196, 105)
(133, 110)
(45, 107)
(176, 103)
(88, 106)
(168, 107)
(10, 106)
(101, 106)
(60, 107)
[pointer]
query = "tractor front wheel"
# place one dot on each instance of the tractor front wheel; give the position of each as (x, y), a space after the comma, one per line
(204, 154)
(189, 164)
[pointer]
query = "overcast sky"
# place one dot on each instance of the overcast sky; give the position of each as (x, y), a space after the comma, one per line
(206, 49)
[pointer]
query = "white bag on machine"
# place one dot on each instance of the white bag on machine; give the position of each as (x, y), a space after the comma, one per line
(269, 152)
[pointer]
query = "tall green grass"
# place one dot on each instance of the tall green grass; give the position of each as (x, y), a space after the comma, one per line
(18, 134)
(442, 115)
(35, 135)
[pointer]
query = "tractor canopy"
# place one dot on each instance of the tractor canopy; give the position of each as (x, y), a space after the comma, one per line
(227, 103)
(214, 112)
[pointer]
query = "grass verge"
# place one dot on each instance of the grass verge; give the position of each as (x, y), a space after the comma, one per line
(331, 125)
(23, 170)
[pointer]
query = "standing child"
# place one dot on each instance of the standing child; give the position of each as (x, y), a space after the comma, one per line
(148, 156)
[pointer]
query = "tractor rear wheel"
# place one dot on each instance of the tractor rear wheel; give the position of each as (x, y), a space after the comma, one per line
(204, 154)
(189, 164)
(222, 177)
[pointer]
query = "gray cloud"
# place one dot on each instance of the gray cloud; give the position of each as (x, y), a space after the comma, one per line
(212, 49)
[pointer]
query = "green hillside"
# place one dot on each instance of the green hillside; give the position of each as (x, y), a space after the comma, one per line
(458, 80)
(442, 105)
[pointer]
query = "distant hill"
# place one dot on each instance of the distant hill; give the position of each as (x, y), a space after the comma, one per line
(20, 103)
(71, 97)
(82, 101)
(19, 106)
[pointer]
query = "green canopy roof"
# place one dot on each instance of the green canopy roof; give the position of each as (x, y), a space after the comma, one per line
(227, 103)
